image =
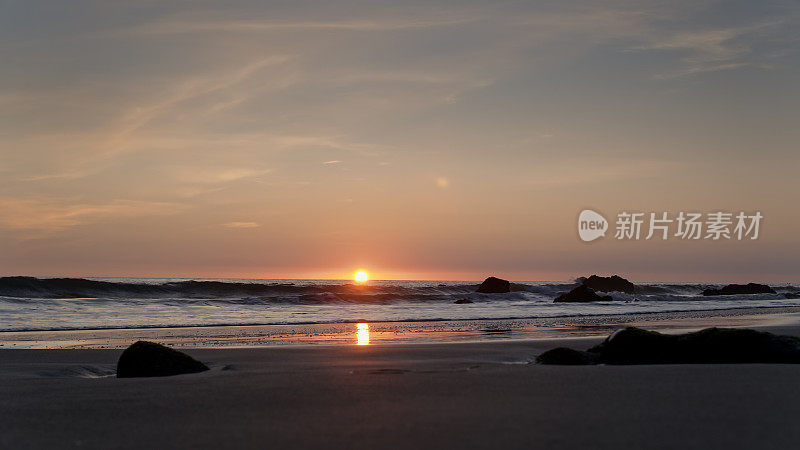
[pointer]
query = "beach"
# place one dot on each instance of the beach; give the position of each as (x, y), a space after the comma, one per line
(380, 224)
(467, 394)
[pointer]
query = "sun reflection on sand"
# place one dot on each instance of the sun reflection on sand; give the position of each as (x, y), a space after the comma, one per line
(362, 334)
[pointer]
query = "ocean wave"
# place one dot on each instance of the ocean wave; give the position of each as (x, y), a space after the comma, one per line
(319, 292)
(31, 287)
(98, 325)
(28, 303)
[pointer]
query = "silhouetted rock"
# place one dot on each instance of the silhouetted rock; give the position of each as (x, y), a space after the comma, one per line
(792, 295)
(494, 285)
(516, 287)
(582, 294)
(567, 357)
(148, 359)
(614, 283)
(738, 289)
(462, 301)
(636, 346)
(708, 346)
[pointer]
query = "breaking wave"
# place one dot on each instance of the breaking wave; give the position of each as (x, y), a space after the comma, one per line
(28, 303)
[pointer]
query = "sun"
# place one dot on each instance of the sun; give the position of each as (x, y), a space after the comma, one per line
(361, 277)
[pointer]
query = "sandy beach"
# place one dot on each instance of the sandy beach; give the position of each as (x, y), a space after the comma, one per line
(452, 395)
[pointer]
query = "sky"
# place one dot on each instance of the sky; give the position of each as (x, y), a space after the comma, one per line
(416, 140)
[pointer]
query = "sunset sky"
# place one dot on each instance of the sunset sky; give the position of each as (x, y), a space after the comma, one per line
(418, 140)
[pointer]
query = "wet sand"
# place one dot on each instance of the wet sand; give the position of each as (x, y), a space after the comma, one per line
(381, 333)
(458, 395)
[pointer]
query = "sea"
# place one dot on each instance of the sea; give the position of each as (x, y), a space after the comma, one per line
(51, 304)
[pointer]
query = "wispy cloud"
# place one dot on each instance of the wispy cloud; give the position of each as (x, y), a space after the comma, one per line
(211, 175)
(178, 25)
(88, 152)
(333, 161)
(43, 216)
(241, 225)
(711, 50)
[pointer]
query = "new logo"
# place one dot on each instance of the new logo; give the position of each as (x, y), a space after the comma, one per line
(591, 225)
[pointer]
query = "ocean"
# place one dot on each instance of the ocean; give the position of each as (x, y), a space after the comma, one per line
(49, 304)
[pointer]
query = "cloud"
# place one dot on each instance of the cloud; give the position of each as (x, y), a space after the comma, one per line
(45, 216)
(178, 25)
(711, 50)
(211, 175)
(241, 225)
(333, 142)
(133, 126)
(406, 76)
(333, 161)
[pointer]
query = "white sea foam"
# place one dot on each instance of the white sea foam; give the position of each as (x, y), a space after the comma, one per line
(65, 304)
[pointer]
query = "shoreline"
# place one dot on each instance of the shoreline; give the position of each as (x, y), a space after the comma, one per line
(390, 333)
(722, 312)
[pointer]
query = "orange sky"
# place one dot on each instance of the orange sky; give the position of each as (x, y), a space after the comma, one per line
(431, 141)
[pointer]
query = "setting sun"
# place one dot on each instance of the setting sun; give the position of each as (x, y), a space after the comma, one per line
(361, 277)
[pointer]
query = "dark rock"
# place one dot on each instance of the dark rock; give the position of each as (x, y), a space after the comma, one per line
(792, 295)
(567, 357)
(516, 287)
(711, 345)
(738, 289)
(462, 301)
(636, 346)
(148, 359)
(708, 346)
(614, 283)
(494, 285)
(582, 294)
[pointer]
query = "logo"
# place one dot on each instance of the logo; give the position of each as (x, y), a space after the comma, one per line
(715, 226)
(591, 225)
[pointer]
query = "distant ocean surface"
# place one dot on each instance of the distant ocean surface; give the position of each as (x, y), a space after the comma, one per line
(31, 304)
